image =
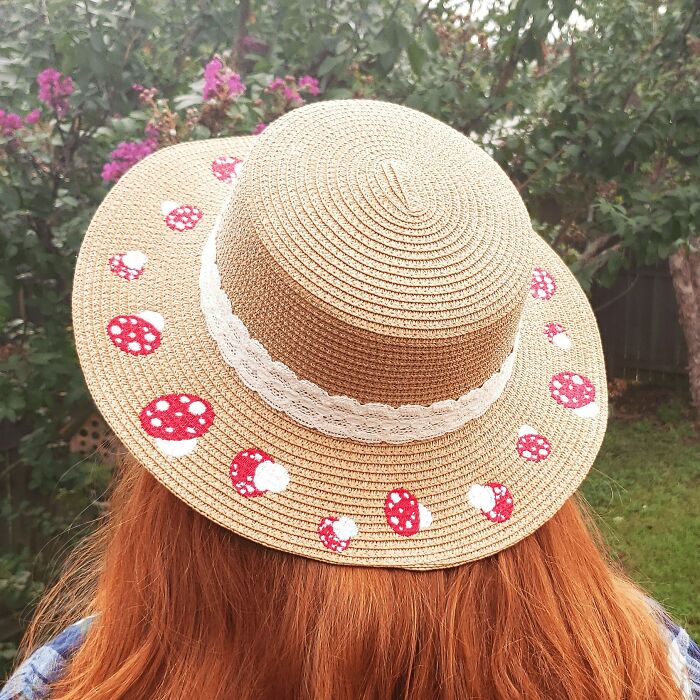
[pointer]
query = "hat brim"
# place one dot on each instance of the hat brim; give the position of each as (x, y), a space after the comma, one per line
(329, 477)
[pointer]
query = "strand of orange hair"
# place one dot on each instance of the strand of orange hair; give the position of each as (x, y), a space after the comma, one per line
(188, 610)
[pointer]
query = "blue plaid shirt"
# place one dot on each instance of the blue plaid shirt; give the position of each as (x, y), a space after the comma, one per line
(32, 680)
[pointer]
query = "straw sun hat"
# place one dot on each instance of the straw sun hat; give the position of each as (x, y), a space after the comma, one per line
(342, 339)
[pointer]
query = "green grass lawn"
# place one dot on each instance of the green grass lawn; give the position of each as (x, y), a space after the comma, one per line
(645, 488)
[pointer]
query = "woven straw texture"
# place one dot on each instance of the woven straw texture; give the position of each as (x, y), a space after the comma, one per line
(383, 257)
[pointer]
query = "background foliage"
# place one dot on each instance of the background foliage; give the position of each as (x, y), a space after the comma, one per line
(591, 107)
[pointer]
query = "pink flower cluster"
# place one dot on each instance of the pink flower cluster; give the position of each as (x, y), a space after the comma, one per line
(287, 86)
(290, 88)
(308, 83)
(11, 122)
(220, 81)
(54, 90)
(33, 116)
(145, 94)
(259, 128)
(125, 155)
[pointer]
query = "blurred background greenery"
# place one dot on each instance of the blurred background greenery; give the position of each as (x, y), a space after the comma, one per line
(592, 108)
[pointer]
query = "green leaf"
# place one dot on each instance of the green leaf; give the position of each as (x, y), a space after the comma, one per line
(416, 57)
(430, 38)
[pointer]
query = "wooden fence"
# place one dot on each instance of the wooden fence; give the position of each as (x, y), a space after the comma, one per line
(638, 320)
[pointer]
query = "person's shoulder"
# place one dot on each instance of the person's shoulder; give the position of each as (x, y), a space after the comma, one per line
(683, 654)
(33, 678)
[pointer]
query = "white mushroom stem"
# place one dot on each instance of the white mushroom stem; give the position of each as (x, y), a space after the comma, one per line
(176, 448)
(134, 259)
(526, 430)
(562, 341)
(345, 528)
(270, 476)
(425, 517)
(154, 318)
(482, 497)
(167, 206)
(590, 410)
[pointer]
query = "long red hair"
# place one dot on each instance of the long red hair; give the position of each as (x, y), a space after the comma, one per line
(187, 609)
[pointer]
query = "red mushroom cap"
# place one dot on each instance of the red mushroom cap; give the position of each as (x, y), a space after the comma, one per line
(136, 334)
(556, 334)
(177, 418)
(573, 391)
(254, 473)
(493, 499)
(542, 285)
(404, 514)
(552, 329)
(532, 446)
(335, 533)
(128, 265)
(226, 168)
(181, 217)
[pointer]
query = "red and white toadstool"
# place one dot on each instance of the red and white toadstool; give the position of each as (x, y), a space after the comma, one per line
(226, 168)
(254, 473)
(556, 335)
(335, 533)
(181, 217)
(404, 514)
(129, 265)
(137, 334)
(176, 421)
(531, 445)
(542, 285)
(575, 392)
(493, 499)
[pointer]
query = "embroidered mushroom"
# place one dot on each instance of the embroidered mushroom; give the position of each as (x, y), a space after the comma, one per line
(181, 217)
(226, 168)
(493, 499)
(404, 514)
(254, 473)
(137, 334)
(129, 265)
(576, 392)
(335, 533)
(531, 445)
(542, 285)
(176, 421)
(556, 335)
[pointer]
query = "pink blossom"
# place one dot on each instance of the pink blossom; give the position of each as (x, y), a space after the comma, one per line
(211, 77)
(259, 128)
(145, 94)
(235, 86)
(221, 81)
(9, 122)
(33, 116)
(309, 83)
(151, 130)
(276, 83)
(126, 154)
(291, 95)
(54, 90)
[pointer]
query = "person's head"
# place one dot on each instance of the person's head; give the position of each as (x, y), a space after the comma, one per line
(188, 609)
(367, 391)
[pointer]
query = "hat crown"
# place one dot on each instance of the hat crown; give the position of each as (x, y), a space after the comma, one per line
(398, 181)
(377, 253)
